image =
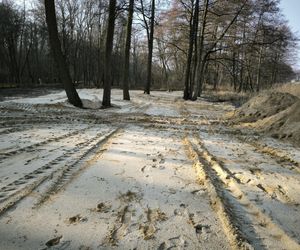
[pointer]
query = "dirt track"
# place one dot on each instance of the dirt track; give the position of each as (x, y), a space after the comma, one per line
(154, 173)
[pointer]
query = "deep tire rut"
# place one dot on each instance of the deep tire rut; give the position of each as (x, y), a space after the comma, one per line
(208, 177)
(243, 222)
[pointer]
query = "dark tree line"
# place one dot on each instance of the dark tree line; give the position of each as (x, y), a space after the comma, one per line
(186, 45)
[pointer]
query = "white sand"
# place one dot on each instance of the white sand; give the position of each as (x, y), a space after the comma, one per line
(122, 178)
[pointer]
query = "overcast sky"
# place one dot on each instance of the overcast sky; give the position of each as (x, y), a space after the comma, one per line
(290, 9)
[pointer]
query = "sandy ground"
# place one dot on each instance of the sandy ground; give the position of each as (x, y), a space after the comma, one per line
(153, 173)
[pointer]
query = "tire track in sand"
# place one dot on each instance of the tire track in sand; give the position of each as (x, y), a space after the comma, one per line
(244, 223)
(71, 171)
(280, 156)
(32, 147)
(14, 192)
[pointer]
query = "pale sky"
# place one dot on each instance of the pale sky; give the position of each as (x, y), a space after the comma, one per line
(290, 9)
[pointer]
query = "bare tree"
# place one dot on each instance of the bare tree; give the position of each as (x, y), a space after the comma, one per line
(126, 95)
(193, 23)
(106, 101)
(58, 56)
(150, 35)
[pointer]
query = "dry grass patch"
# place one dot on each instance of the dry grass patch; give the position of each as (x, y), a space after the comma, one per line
(291, 88)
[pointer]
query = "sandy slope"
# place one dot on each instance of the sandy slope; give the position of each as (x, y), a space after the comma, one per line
(153, 173)
(272, 113)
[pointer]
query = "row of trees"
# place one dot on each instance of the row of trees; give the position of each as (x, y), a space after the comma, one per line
(244, 43)
(176, 44)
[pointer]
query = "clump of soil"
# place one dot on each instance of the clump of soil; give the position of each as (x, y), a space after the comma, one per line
(273, 113)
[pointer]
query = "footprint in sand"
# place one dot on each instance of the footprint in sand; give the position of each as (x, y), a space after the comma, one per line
(176, 242)
(54, 241)
(8, 189)
(202, 229)
(102, 207)
(162, 161)
(27, 177)
(76, 219)
(19, 182)
(130, 196)
(38, 172)
(143, 168)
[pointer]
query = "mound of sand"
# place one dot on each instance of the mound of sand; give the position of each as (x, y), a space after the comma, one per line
(286, 124)
(273, 113)
(91, 104)
(264, 105)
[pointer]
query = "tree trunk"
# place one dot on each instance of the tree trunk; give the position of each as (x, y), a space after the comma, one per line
(258, 76)
(234, 74)
(126, 95)
(106, 102)
(150, 50)
(59, 59)
(201, 59)
(13, 66)
(193, 35)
